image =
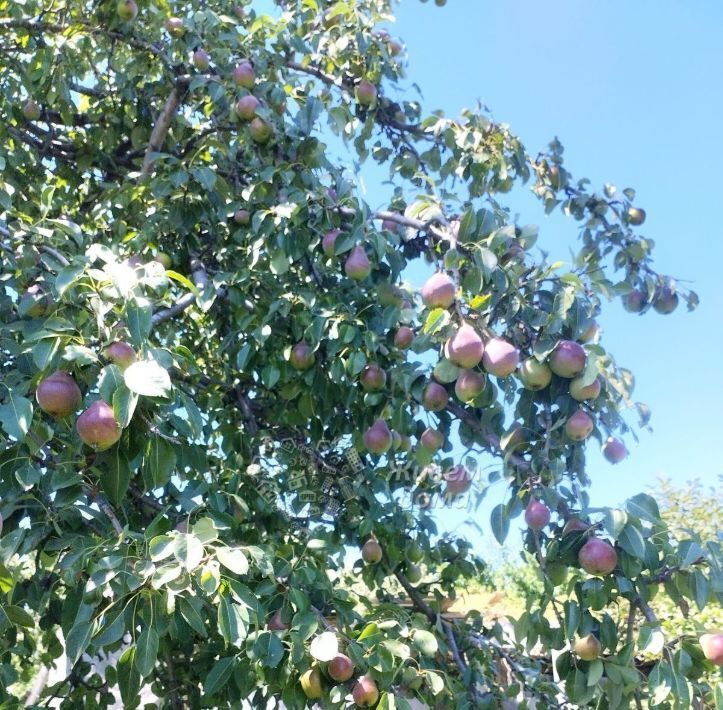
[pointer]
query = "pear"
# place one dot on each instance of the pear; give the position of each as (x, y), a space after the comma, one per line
(439, 291)
(465, 347)
(58, 395)
(378, 438)
(500, 358)
(357, 265)
(98, 427)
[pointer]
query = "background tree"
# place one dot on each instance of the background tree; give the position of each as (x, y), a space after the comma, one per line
(216, 380)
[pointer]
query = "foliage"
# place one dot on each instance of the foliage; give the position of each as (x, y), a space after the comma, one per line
(141, 204)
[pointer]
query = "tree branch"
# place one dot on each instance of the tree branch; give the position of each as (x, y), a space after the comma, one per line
(200, 279)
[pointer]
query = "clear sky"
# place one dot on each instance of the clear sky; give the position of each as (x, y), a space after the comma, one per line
(633, 90)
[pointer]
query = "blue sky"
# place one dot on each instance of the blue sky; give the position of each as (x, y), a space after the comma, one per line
(633, 92)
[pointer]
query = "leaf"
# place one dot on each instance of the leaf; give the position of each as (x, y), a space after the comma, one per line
(324, 647)
(435, 682)
(192, 617)
(437, 319)
(425, 642)
(500, 523)
(146, 651)
(16, 416)
(595, 672)
(631, 540)
(643, 506)
(115, 474)
(19, 616)
(148, 378)
(614, 521)
(129, 679)
(188, 550)
(159, 461)
(160, 547)
(139, 320)
(232, 620)
(109, 380)
(124, 405)
(205, 530)
(371, 629)
(218, 675)
(77, 640)
(233, 559)
(268, 649)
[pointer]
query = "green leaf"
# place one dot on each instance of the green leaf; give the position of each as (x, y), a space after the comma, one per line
(16, 416)
(219, 675)
(594, 672)
(115, 473)
(614, 521)
(232, 619)
(233, 559)
(205, 530)
(161, 547)
(124, 405)
(500, 522)
(437, 319)
(425, 642)
(267, 649)
(146, 651)
(434, 681)
(19, 616)
(192, 617)
(129, 679)
(159, 461)
(77, 640)
(631, 540)
(188, 550)
(643, 506)
(138, 318)
(148, 378)
(109, 380)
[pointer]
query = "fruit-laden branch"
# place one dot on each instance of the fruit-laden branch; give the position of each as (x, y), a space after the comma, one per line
(200, 280)
(160, 130)
(430, 226)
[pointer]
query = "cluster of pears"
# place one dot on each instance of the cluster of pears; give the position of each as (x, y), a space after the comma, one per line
(59, 396)
(340, 669)
(372, 554)
(664, 300)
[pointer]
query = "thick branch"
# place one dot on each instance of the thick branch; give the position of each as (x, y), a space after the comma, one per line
(200, 279)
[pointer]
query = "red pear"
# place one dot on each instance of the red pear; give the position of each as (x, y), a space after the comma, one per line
(582, 393)
(458, 480)
(438, 291)
(328, 243)
(500, 358)
(31, 110)
(371, 552)
(574, 525)
(635, 301)
(614, 450)
(246, 107)
(357, 265)
(242, 217)
(378, 438)
(432, 440)
(302, 356)
(665, 300)
(579, 426)
(340, 668)
(365, 692)
(366, 93)
(465, 347)
(537, 515)
(201, 60)
(712, 645)
(174, 26)
(435, 397)
(98, 427)
(597, 557)
(243, 75)
(121, 353)
(127, 10)
(567, 359)
(404, 337)
(276, 623)
(260, 131)
(373, 378)
(58, 395)
(469, 385)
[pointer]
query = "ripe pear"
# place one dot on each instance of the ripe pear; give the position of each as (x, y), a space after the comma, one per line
(371, 552)
(311, 684)
(574, 525)
(635, 215)
(465, 347)
(614, 450)
(712, 645)
(174, 26)
(246, 107)
(373, 378)
(357, 265)
(583, 393)
(365, 692)
(635, 301)
(276, 623)
(366, 93)
(378, 438)
(121, 354)
(201, 60)
(500, 358)
(435, 397)
(567, 359)
(98, 427)
(438, 291)
(31, 110)
(301, 356)
(535, 375)
(244, 76)
(537, 515)
(588, 647)
(579, 426)
(242, 217)
(127, 10)
(260, 131)
(665, 300)
(597, 557)
(404, 337)
(458, 480)
(58, 395)
(432, 440)
(469, 385)
(328, 243)
(340, 668)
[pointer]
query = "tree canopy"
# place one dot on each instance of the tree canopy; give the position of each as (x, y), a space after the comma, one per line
(218, 380)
